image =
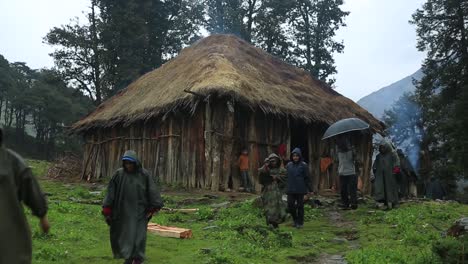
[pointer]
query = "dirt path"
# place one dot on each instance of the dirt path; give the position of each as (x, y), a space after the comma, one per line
(349, 235)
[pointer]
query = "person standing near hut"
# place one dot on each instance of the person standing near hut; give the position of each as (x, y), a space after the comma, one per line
(272, 177)
(132, 199)
(244, 167)
(298, 182)
(347, 173)
(408, 176)
(385, 168)
(18, 186)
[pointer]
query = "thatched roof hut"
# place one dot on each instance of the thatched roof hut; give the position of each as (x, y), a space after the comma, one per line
(189, 118)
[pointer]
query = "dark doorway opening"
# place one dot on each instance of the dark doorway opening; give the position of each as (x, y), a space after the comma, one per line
(299, 138)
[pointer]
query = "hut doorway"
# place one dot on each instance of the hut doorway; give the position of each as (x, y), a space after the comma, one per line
(299, 138)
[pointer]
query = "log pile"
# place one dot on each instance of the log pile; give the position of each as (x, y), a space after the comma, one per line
(66, 167)
(169, 231)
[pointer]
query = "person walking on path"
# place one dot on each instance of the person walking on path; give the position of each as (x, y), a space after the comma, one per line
(17, 187)
(299, 184)
(272, 177)
(132, 199)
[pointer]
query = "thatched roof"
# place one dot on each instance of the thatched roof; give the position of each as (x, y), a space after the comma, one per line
(226, 66)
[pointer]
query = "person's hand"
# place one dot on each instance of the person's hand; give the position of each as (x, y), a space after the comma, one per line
(44, 223)
(108, 220)
(151, 212)
(107, 212)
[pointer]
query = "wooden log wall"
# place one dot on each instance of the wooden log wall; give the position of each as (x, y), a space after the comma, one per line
(202, 150)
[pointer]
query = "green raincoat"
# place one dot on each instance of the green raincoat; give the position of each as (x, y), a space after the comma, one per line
(131, 196)
(17, 186)
(272, 193)
(386, 186)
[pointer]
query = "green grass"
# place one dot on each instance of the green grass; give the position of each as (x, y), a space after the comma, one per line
(238, 234)
(405, 235)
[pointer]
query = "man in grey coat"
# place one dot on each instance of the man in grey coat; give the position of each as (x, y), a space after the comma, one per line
(17, 187)
(132, 199)
(386, 167)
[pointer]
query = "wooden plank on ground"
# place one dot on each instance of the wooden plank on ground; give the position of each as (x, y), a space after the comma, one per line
(169, 231)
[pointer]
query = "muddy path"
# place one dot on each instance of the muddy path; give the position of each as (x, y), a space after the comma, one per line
(347, 233)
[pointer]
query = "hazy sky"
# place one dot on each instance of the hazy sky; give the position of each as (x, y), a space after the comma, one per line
(380, 44)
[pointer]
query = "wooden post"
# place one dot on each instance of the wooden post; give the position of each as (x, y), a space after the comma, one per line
(228, 145)
(217, 145)
(208, 146)
(253, 153)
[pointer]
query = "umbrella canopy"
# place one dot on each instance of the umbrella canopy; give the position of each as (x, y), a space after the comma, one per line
(344, 126)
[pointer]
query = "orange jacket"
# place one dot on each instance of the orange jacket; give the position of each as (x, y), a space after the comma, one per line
(244, 162)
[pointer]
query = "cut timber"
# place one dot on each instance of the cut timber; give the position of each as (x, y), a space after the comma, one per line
(169, 231)
(183, 210)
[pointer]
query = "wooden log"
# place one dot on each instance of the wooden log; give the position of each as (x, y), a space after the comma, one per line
(253, 153)
(182, 210)
(208, 132)
(228, 160)
(200, 160)
(169, 231)
(217, 144)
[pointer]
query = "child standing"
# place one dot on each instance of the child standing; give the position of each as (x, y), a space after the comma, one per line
(298, 182)
(244, 170)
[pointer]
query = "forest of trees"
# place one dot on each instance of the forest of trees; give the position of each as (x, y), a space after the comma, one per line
(122, 40)
(36, 106)
(434, 120)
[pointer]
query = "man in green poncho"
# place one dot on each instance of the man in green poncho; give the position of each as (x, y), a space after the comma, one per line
(132, 199)
(385, 168)
(17, 186)
(273, 179)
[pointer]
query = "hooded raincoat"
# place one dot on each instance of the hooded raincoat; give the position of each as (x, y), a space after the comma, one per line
(386, 185)
(131, 196)
(17, 186)
(273, 181)
(298, 176)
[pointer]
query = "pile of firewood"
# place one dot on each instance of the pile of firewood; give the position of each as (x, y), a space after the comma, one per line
(67, 166)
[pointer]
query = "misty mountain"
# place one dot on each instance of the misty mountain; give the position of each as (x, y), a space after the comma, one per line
(383, 99)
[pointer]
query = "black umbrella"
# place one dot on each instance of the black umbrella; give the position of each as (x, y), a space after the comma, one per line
(344, 126)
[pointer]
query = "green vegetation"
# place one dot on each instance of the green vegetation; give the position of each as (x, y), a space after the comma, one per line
(234, 231)
(410, 234)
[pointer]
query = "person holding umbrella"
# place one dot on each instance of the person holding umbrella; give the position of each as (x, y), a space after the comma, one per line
(347, 172)
(346, 158)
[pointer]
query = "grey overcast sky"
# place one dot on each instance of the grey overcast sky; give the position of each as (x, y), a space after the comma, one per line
(379, 42)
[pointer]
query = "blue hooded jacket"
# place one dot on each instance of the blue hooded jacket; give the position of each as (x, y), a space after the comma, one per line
(298, 175)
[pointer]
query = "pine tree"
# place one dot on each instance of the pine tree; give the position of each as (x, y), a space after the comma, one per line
(313, 26)
(443, 92)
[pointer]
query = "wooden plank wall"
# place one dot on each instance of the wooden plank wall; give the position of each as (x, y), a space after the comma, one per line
(201, 150)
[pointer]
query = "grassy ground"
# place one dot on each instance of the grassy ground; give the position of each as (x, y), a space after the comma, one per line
(237, 234)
